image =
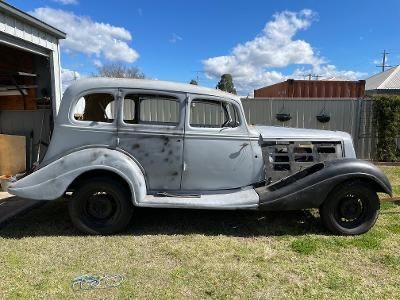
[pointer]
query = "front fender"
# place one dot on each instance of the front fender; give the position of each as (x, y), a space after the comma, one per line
(51, 181)
(310, 187)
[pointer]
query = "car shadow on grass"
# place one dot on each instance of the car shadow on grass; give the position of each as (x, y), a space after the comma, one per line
(52, 219)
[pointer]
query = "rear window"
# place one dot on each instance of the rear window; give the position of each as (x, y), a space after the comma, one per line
(96, 107)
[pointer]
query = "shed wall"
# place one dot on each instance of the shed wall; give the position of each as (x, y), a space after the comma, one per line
(354, 116)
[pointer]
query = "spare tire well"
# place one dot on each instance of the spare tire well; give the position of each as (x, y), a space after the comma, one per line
(97, 173)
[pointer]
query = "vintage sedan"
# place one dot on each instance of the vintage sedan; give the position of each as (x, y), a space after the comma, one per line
(124, 143)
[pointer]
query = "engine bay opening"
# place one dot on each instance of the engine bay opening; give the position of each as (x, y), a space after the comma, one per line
(283, 158)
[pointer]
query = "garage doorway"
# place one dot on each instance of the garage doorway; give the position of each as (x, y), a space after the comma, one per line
(25, 107)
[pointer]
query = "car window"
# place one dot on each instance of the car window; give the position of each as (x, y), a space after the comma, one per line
(213, 114)
(129, 111)
(96, 107)
(151, 109)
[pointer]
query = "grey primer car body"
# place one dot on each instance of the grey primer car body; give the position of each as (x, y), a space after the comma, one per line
(193, 161)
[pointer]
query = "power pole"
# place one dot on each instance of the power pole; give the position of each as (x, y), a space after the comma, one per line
(310, 75)
(307, 75)
(384, 65)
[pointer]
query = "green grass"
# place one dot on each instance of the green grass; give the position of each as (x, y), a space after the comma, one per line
(203, 254)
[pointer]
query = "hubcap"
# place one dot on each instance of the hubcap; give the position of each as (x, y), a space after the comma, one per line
(100, 206)
(350, 210)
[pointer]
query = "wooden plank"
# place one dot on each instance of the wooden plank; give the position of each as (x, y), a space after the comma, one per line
(12, 154)
(12, 93)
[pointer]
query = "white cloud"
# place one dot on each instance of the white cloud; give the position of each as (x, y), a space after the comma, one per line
(253, 64)
(66, 2)
(97, 63)
(175, 38)
(67, 77)
(89, 37)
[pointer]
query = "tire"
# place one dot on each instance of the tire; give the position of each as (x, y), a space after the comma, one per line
(352, 208)
(101, 206)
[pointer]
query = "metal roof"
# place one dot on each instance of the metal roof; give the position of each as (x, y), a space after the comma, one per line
(388, 80)
(169, 86)
(23, 16)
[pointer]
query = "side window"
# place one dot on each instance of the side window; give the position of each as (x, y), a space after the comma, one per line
(151, 109)
(129, 109)
(96, 107)
(233, 115)
(213, 114)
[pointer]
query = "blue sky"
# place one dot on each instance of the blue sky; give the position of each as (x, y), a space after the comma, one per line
(259, 42)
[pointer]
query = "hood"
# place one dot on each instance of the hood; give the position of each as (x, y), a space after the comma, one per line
(288, 133)
(275, 132)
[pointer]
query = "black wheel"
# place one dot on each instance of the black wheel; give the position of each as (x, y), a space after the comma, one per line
(350, 209)
(101, 206)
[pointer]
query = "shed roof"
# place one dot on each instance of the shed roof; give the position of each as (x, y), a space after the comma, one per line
(23, 16)
(388, 80)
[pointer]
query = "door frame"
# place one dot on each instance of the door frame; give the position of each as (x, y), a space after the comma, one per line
(168, 132)
(239, 133)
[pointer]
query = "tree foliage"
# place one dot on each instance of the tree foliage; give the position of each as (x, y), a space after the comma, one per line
(226, 84)
(194, 82)
(117, 70)
(387, 124)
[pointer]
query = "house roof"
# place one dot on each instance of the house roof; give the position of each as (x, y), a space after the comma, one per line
(23, 16)
(388, 80)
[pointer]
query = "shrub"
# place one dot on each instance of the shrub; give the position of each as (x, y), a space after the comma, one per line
(387, 124)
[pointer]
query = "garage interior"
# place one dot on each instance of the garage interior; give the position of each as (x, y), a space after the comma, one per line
(25, 109)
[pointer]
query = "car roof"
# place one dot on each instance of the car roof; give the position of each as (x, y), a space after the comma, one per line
(81, 85)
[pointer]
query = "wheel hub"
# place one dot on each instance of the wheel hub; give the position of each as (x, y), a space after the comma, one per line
(350, 208)
(100, 206)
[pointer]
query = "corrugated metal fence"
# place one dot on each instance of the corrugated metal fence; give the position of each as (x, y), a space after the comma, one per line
(354, 116)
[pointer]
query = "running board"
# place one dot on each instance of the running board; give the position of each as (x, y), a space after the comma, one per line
(239, 199)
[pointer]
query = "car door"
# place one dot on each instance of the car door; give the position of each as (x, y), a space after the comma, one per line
(150, 128)
(217, 150)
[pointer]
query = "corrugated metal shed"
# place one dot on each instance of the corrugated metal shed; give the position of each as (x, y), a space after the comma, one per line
(20, 30)
(292, 88)
(388, 80)
(30, 78)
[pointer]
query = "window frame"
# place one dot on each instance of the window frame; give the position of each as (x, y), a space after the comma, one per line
(214, 99)
(178, 97)
(112, 92)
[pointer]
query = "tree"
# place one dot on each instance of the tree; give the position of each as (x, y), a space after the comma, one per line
(118, 70)
(226, 84)
(194, 82)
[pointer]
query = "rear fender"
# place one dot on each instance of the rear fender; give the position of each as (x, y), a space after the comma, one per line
(51, 181)
(310, 187)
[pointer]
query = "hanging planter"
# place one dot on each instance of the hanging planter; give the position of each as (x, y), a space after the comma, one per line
(283, 117)
(323, 116)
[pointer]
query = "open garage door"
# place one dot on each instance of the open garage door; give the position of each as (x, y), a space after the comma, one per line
(25, 105)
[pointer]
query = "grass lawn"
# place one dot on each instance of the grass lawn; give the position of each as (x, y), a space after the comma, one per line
(203, 254)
